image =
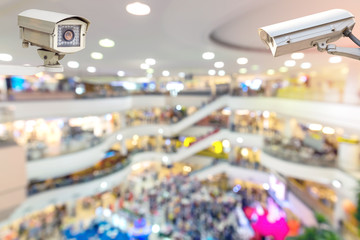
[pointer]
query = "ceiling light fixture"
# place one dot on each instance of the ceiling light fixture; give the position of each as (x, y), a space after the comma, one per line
(336, 183)
(144, 66)
(91, 69)
(219, 64)
(240, 140)
(96, 55)
(290, 63)
(242, 61)
(335, 59)
(305, 65)
(121, 73)
(297, 56)
(137, 8)
(165, 73)
(328, 130)
(242, 70)
(270, 72)
(283, 69)
(5, 57)
(107, 43)
(150, 61)
(211, 72)
(255, 67)
(315, 127)
(73, 64)
(181, 74)
(208, 55)
(221, 73)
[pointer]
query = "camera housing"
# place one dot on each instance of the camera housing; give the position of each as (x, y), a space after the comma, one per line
(55, 32)
(306, 32)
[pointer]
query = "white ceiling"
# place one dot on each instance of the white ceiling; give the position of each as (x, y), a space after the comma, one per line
(176, 33)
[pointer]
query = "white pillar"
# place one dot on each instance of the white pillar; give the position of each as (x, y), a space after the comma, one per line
(122, 120)
(232, 84)
(123, 147)
(348, 155)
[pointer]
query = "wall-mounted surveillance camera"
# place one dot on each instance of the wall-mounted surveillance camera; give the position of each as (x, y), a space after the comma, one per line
(56, 34)
(310, 31)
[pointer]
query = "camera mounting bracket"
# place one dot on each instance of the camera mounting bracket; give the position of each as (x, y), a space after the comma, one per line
(51, 59)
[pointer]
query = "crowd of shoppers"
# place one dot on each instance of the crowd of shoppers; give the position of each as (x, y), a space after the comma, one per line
(297, 150)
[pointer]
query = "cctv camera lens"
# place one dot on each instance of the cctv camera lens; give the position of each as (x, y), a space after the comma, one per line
(68, 35)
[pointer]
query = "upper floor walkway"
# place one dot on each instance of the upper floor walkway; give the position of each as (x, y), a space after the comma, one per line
(340, 115)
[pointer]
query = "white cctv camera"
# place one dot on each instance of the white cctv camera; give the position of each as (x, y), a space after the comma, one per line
(313, 30)
(56, 34)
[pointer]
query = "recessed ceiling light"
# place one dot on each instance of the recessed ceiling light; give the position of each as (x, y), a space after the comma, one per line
(211, 72)
(5, 57)
(240, 140)
(108, 43)
(96, 55)
(242, 70)
(328, 130)
(165, 73)
(336, 183)
(219, 64)
(244, 152)
(208, 55)
(150, 70)
(144, 66)
(270, 72)
(305, 65)
(242, 61)
(221, 73)
(315, 127)
(91, 69)
(121, 73)
(150, 61)
(181, 74)
(137, 8)
(290, 63)
(335, 59)
(73, 64)
(255, 67)
(283, 69)
(297, 56)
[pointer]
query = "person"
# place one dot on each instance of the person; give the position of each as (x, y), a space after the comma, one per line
(341, 226)
(22, 229)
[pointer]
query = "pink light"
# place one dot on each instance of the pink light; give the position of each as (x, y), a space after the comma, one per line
(278, 229)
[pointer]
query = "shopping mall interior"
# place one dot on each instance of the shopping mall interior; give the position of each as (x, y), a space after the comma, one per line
(175, 121)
